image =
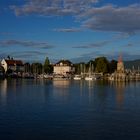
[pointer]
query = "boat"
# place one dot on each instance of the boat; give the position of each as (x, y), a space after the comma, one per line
(48, 76)
(89, 78)
(60, 77)
(77, 77)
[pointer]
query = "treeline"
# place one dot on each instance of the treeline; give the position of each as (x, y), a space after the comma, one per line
(39, 68)
(100, 64)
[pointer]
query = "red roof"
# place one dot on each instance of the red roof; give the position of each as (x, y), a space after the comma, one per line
(14, 62)
(120, 59)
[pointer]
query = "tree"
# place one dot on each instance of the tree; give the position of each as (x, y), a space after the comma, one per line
(80, 67)
(36, 68)
(102, 65)
(27, 67)
(48, 68)
(8, 57)
(91, 65)
(112, 66)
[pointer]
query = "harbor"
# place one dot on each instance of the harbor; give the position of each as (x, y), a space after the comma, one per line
(66, 70)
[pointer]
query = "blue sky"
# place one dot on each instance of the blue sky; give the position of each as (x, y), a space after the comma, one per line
(78, 30)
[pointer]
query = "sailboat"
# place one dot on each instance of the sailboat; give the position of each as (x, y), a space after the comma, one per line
(89, 77)
(79, 76)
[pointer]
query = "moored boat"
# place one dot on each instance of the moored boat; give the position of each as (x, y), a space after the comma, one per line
(77, 77)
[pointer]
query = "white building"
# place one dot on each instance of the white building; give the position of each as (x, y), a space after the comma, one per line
(14, 65)
(63, 67)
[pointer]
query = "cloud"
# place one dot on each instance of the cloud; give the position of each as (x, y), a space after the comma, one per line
(112, 18)
(102, 18)
(43, 45)
(125, 55)
(94, 45)
(67, 30)
(24, 55)
(52, 7)
(27, 54)
(85, 57)
(129, 45)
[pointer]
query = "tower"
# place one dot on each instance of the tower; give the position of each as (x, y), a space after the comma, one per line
(120, 65)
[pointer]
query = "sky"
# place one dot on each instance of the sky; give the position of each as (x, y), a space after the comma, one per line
(78, 30)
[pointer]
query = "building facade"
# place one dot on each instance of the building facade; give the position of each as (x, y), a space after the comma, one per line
(13, 65)
(63, 67)
(119, 74)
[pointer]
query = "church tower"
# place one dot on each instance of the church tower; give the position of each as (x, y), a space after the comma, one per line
(120, 65)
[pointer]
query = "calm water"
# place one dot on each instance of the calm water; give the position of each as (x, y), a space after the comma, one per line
(80, 110)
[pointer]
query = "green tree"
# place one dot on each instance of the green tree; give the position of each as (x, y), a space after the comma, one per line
(48, 68)
(77, 68)
(80, 67)
(36, 68)
(112, 66)
(27, 67)
(102, 65)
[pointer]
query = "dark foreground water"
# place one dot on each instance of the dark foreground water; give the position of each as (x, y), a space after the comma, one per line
(69, 110)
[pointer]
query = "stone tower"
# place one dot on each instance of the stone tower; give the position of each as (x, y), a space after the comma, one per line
(120, 65)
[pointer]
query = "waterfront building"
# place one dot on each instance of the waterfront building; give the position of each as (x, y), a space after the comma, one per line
(120, 74)
(63, 67)
(120, 65)
(13, 65)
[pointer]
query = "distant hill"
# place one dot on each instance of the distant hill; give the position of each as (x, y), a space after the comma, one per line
(131, 64)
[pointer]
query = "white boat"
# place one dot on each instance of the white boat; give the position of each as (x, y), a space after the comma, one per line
(77, 77)
(89, 78)
(47, 76)
(60, 77)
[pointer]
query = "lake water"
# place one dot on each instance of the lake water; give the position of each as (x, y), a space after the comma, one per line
(69, 110)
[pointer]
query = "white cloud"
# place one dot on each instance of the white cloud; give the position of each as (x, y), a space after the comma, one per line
(43, 45)
(67, 30)
(53, 7)
(104, 18)
(111, 18)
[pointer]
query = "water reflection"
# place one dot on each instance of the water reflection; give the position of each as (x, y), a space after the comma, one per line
(61, 90)
(8, 89)
(65, 109)
(3, 89)
(102, 92)
(61, 83)
(90, 85)
(120, 90)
